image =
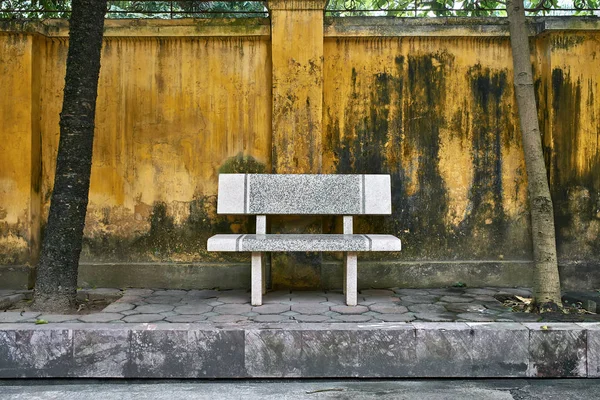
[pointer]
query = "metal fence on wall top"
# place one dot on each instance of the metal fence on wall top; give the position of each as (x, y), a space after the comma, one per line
(457, 8)
(172, 9)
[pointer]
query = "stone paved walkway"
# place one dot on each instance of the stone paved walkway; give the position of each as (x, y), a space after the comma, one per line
(232, 306)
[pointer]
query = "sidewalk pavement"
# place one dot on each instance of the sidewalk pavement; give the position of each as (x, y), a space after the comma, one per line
(233, 306)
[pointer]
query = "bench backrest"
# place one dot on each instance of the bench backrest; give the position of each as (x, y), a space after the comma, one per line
(265, 194)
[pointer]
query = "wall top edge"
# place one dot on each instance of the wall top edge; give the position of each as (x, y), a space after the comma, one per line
(449, 26)
(333, 26)
(149, 27)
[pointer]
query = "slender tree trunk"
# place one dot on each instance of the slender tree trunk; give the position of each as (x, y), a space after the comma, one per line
(56, 281)
(546, 279)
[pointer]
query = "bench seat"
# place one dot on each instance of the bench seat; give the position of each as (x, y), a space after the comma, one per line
(306, 242)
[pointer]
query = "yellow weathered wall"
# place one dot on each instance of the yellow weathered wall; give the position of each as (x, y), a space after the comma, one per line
(171, 113)
(17, 148)
(181, 101)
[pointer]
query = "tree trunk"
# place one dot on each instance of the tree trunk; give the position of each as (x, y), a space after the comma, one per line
(56, 281)
(546, 288)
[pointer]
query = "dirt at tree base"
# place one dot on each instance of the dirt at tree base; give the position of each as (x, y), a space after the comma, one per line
(84, 307)
(524, 304)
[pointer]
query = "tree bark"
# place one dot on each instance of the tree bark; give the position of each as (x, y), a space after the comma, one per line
(546, 288)
(56, 280)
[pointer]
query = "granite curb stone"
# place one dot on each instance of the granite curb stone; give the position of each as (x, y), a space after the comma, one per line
(276, 350)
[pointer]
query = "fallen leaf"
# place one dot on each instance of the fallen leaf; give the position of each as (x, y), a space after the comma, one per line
(526, 300)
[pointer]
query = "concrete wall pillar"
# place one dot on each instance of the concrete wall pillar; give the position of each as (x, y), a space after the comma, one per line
(297, 123)
(297, 59)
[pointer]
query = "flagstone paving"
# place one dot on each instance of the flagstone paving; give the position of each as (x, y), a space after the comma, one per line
(233, 306)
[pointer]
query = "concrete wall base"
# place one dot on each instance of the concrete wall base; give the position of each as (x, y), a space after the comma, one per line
(371, 274)
(16, 277)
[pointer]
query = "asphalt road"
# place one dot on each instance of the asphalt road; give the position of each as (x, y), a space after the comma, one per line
(518, 389)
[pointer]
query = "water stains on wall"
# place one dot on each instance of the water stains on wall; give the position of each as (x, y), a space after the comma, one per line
(574, 156)
(442, 125)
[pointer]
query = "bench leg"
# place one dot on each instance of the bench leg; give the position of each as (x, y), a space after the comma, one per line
(257, 279)
(263, 263)
(350, 278)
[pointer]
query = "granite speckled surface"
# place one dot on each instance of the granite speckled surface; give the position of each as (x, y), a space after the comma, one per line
(304, 194)
(298, 242)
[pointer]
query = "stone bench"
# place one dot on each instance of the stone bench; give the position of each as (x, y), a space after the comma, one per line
(264, 194)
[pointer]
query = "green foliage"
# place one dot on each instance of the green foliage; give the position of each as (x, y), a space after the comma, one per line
(166, 9)
(241, 164)
(465, 8)
(34, 9)
(185, 9)
(39, 9)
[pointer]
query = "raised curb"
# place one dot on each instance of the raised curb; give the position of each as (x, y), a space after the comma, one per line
(307, 350)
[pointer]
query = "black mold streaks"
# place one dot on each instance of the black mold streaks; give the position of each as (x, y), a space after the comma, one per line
(377, 138)
(566, 42)
(168, 241)
(165, 241)
(393, 123)
(576, 193)
(566, 104)
(490, 126)
(423, 119)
